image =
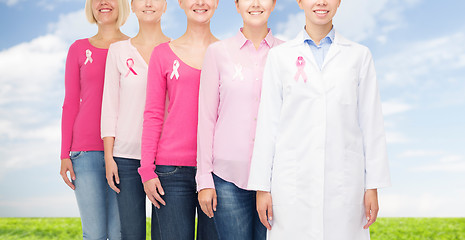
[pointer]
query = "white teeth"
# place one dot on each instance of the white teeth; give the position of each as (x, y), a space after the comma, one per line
(148, 11)
(255, 13)
(321, 12)
(200, 11)
(105, 10)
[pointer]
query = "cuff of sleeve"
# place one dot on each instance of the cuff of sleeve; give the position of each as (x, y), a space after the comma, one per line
(204, 181)
(259, 187)
(378, 185)
(64, 155)
(147, 173)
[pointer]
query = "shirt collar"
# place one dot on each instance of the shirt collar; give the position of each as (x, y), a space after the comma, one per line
(241, 40)
(328, 39)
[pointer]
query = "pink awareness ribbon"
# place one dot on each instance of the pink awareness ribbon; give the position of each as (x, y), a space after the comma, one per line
(130, 64)
(300, 63)
(88, 57)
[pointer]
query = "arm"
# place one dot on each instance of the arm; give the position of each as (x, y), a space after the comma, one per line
(267, 126)
(208, 115)
(70, 110)
(151, 129)
(372, 127)
(109, 116)
(374, 139)
(265, 138)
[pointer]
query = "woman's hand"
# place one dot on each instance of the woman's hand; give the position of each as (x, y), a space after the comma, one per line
(371, 206)
(111, 170)
(67, 165)
(265, 208)
(153, 190)
(207, 201)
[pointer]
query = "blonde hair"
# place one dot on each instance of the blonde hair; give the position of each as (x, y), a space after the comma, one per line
(123, 12)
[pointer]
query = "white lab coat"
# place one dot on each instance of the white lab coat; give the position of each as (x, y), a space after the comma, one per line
(321, 143)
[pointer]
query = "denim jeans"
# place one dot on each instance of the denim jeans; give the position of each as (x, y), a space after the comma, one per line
(131, 201)
(236, 216)
(176, 220)
(96, 200)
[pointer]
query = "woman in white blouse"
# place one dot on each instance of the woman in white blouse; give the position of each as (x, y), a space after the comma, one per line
(122, 115)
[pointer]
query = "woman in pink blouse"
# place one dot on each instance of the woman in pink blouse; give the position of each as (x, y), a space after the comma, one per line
(81, 145)
(122, 115)
(169, 135)
(230, 87)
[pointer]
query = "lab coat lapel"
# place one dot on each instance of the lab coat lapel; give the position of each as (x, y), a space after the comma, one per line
(335, 48)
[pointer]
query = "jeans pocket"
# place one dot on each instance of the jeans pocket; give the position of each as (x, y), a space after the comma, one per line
(73, 155)
(164, 170)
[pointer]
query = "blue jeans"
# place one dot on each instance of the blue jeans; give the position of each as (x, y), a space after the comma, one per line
(131, 201)
(236, 216)
(96, 200)
(176, 220)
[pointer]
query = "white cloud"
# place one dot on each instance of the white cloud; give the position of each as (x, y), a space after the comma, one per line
(392, 107)
(356, 19)
(393, 137)
(288, 29)
(10, 2)
(447, 163)
(445, 204)
(64, 205)
(420, 153)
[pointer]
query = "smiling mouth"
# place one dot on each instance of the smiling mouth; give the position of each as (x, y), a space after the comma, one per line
(201, 11)
(148, 11)
(321, 11)
(105, 10)
(255, 13)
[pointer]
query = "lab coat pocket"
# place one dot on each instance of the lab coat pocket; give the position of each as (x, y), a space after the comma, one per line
(284, 178)
(354, 177)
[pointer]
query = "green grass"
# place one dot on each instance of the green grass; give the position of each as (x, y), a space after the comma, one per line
(383, 229)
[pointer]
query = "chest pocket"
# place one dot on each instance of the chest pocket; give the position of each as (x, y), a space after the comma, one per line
(343, 86)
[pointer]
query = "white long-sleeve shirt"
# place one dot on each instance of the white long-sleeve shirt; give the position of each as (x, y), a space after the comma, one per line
(124, 99)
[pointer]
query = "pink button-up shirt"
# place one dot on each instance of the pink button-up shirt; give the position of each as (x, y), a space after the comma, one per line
(230, 86)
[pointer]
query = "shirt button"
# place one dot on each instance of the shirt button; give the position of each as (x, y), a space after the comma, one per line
(255, 119)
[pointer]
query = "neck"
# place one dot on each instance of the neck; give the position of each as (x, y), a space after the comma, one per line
(149, 32)
(108, 32)
(198, 33)
(255, 34)
(318, 32)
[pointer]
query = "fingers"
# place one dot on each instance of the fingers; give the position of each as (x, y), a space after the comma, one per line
(71, 173)
(152, 187)
(67, 181)
(152, 199)
(208, 201)
(154, 194)
(67, 165)
(111, 182)
(215, 202)
(270, 212)
(371, 212)
(264, 218)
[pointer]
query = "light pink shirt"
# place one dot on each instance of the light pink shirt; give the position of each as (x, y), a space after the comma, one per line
(124, 99)
(230, 86)
(170, 140)
(84, 74)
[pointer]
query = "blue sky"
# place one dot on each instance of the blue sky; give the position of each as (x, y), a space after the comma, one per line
(419, 52)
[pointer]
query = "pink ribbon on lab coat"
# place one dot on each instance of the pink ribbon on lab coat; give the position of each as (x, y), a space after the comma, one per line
(300, 63)
(130, 64)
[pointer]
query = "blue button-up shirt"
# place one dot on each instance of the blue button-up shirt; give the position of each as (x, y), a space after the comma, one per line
(320, 51)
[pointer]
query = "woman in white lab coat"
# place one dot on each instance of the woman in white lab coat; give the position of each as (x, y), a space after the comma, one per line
(320, 150)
